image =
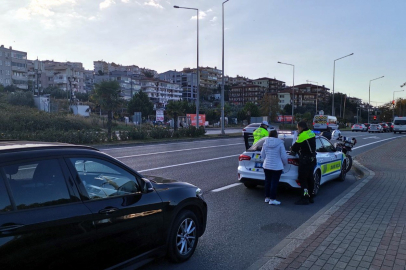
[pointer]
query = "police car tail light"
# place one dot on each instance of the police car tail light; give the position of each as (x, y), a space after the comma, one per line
(293, 161)
(244, 129)
(244, 157)
(298, 183)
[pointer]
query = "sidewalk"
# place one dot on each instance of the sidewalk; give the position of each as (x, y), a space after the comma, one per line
(363, 230)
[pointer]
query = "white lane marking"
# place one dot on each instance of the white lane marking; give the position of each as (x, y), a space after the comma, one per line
(226, 187)
(180, 150)
(187, 163)
(373, 137)
(377, 142)
(153, 145)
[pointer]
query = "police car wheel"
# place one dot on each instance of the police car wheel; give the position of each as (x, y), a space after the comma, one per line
(343, 173)
(316, 178)
(250, 185)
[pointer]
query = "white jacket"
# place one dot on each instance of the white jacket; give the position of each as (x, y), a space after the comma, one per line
(274, 154)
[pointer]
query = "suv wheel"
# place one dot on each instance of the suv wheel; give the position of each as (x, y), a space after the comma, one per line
(183, 237)
(343, 173)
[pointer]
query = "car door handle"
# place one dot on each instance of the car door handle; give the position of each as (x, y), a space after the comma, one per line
(9, 228)
(108, 210)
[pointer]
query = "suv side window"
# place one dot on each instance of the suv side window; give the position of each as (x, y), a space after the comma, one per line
(5, 204)
(327, 145)
(37, 184)
(102, 179)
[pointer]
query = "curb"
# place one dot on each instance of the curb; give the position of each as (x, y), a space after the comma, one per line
(287, 246)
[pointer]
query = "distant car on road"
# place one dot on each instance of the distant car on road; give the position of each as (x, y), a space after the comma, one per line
(399, 124)
(359, 127)
(385, 127)
(330, 164)
(390, 124)
(248, 131)
(367, 125)
(375, 128)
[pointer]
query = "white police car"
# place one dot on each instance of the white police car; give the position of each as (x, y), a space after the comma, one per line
(330, 164)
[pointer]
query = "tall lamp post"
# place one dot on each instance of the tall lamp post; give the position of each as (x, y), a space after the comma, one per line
(222, 79)
(393, 110)
(369, 91)
(293, 87)
(197, 71)
(334, 75)
(317, 95)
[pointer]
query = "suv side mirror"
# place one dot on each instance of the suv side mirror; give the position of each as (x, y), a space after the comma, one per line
(148, 187)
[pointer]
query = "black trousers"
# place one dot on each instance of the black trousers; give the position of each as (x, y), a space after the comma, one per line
(306, 179)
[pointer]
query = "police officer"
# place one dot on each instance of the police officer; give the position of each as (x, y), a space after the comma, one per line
(327, 134)
(261, 132)
(305, 145)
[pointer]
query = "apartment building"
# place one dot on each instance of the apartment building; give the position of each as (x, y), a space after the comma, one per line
(35, 68)
(161, 92)
(13, 68)
(188, 82)
(102, 68)
(284, 98)
(273, 85)
(244, 93)
(68, 76)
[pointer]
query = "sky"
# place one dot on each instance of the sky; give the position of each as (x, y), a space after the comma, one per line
(309, 34)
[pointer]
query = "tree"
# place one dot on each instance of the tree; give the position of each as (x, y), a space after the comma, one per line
(107, 95)
(148, 74)
(175, 109)
(56, 92)
(269, 106)
(140, 103)
(287, 110)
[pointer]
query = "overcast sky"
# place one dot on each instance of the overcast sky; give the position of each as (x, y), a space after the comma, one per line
(310, 34)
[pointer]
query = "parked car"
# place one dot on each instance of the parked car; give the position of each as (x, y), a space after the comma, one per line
(375, 128)
(248, 131)
(65, 206)
(385, 127)
(331, 164)
(358, 127)
(390, 124)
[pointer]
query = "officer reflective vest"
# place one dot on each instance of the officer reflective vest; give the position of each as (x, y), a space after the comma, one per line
(305, 135)
(260, 133)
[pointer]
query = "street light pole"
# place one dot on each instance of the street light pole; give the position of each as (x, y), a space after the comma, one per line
(369, 91)
(393, 109)
(293, 87)
(222, 80)
(197, 71)
(317, 95)
(334, 74)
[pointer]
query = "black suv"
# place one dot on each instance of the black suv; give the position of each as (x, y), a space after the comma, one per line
(72, 207)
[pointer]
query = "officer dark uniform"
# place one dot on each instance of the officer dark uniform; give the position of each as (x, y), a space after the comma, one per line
(305, 145)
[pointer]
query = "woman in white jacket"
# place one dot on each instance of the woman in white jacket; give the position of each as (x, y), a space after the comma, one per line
(274, 154)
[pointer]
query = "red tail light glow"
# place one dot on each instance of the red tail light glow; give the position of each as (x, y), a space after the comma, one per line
(297, 182)
(244, 157)
(244, 129)
(293, 161)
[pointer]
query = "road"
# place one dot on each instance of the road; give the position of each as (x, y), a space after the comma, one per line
(241, 227)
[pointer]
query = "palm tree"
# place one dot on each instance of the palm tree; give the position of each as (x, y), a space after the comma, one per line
(107, 95)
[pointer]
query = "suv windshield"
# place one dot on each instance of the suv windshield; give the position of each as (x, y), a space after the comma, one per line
(400, 122)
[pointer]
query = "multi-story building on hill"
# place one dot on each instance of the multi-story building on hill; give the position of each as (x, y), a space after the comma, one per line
(13, 68)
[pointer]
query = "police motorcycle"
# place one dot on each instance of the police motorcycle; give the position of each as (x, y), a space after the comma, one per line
(345, 145)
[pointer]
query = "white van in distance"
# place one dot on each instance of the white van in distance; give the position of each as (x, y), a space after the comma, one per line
(322, 122)
(399, 124)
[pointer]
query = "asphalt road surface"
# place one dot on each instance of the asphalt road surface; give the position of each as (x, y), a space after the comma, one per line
(241, 228)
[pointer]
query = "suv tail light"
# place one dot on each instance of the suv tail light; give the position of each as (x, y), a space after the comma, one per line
(244, 157)
(293, 161)
(244, 129)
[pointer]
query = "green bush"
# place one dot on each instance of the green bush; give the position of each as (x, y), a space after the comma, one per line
(21, 98)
